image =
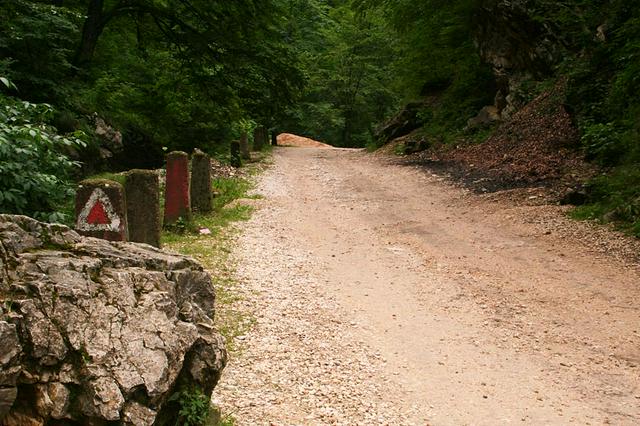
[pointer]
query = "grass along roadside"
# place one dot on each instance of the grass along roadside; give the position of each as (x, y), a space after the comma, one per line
(213, 251)
(209, 239)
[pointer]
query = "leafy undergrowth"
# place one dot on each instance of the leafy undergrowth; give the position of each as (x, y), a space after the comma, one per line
(614, 198)
(196, 410)
(208, 238)
(35, 169)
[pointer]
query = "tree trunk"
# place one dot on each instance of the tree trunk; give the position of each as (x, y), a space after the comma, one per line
(91, 30)
(348, 128)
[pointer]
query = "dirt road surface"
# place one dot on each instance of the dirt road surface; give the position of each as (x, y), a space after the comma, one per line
(383, 295)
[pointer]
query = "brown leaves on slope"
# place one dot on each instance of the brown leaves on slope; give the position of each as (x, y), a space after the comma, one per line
(537, 146)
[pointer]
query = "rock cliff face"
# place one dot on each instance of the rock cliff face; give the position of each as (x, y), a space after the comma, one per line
(99, 333)
(516, 45)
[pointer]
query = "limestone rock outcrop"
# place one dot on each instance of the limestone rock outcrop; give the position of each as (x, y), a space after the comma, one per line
(516, 45)
(95, 332)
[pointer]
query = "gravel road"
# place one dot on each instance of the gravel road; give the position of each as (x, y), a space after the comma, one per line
(383, 295)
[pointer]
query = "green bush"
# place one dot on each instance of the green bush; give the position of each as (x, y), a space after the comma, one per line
(603, 142)
(194, 407)
(615, 197)
(36, 41)
(34, 165)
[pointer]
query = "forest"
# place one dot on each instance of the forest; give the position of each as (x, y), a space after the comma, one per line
(150, 76)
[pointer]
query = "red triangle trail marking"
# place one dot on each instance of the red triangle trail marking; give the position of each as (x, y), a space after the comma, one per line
(97, 215)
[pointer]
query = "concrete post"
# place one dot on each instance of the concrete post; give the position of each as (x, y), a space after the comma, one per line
(244, 146)
(200, 182)
(257, 139)
(142, 191)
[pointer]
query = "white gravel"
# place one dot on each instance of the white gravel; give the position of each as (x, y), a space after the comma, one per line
(383, 296)
(302, 362)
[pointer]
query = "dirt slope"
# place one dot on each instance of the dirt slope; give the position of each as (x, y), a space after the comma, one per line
(539, 146)
(384, 296)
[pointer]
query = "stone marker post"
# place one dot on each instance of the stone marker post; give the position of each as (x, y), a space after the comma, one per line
(101, 210)
(176, 194)
(236, 160)
(244, 146)
(259, 138)
(274, 138)
(143, 206)
(200, 182)
(257, 142)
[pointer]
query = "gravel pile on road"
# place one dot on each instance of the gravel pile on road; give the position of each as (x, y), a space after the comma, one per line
(287, 139)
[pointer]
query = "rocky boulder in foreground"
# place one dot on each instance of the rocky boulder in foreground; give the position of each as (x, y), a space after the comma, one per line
(93, 332)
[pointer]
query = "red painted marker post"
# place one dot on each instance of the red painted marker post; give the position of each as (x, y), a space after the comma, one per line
(177, 203)
(100, 210)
